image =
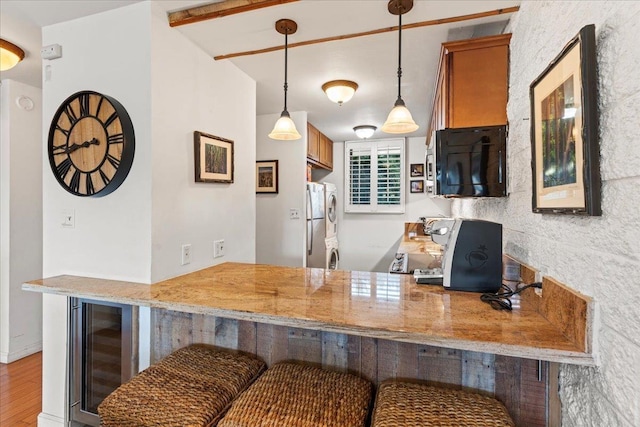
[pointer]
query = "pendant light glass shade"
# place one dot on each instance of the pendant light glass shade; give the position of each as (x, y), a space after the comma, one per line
(10, 55)
(340, 91)
(285, 129)
(399, 119)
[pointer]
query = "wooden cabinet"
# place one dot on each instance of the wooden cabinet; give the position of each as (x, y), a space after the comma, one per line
(472, 85)
(313, 143)
(326, 151)
(319, 148)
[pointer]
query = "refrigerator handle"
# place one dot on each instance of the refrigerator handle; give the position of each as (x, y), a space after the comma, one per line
(309, 235)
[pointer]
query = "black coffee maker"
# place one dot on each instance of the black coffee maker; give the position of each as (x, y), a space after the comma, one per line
(472, 259)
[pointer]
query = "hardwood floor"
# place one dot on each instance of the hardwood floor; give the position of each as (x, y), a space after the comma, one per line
(21, 392)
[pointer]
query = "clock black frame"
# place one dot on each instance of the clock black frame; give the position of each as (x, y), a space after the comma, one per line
(127, 138)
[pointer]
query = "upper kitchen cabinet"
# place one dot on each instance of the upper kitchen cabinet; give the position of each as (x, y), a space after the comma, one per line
(313, 143)
(326, 151)
(472, 84)
(319, 148)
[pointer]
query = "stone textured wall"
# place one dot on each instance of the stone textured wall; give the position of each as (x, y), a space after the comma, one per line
(598, 256)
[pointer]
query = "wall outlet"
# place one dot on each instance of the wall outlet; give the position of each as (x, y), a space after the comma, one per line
(538, 278)
(294, 213)
(218, 248)
(186, 254)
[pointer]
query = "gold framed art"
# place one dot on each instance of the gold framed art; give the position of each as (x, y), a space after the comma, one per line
(564, 131)
(213, 158)
(267, 176)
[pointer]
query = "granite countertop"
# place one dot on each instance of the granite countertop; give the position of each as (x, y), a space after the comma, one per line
(415, 242)
(379, 305)
(421, 250)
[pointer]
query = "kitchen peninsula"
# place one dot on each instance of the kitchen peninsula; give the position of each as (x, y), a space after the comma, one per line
(376, 305)
(377, 325)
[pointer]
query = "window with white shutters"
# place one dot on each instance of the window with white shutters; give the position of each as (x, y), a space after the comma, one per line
(374, 176)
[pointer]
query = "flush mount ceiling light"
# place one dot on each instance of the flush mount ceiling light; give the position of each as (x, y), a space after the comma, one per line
(340, 91)
(10, 55)
(364, 131)
(399, 119)
(285, 129)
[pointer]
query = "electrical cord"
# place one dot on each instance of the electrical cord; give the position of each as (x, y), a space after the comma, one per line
(501, 300)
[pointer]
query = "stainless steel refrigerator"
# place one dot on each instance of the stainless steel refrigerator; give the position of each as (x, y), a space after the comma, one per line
(316, 251)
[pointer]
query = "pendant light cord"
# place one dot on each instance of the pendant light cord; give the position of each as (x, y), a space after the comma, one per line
(399, 53)
(399, 120)
(286, 36)
(285, 128)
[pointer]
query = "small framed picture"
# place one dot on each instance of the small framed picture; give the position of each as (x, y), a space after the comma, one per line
(417, 169)
(267, 176)
(417, 186)
(213, 158)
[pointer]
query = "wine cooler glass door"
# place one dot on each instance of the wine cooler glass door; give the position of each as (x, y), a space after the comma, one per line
(101, 355)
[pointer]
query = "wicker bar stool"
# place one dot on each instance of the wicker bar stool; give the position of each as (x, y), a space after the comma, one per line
(294, 395)
(401, 404)
(193, 386)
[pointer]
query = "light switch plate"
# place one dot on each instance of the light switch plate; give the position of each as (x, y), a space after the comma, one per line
(218, 248)
(68, 218)
(186, 254)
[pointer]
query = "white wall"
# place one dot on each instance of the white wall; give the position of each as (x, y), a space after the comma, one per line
(368, 242)
(170, 89)
(20, 221)
(598, 256)
(280, 240)
(112, 234)
(189, 92)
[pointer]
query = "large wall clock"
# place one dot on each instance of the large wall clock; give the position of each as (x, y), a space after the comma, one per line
(91, 144)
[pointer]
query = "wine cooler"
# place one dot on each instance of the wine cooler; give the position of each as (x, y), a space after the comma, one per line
(101, 357)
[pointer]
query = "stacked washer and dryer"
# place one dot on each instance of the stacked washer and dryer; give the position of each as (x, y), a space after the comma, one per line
(322, 226)
(331, 222)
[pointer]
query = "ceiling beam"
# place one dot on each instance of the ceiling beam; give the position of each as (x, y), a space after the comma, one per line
(372, 32)
(219, 9)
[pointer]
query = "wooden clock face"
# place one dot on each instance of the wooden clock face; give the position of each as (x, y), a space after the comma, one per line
(91, 144)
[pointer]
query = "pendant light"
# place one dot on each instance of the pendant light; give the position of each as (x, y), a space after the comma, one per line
(10, 55)
(399, 119)
(285, 129)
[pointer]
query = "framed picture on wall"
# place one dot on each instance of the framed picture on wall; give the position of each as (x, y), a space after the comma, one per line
(417, 186)
(267, 176)
(564, 131)
(417, 169)
(213, 158)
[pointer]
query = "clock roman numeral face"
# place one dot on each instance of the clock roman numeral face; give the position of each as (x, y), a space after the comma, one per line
(91, 144)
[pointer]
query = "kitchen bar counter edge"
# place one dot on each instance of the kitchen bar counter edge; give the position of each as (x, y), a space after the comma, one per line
(375, 305)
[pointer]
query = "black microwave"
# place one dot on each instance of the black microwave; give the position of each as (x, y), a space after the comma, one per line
(467, 162)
